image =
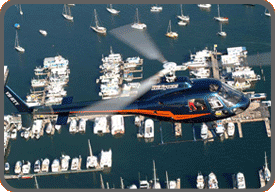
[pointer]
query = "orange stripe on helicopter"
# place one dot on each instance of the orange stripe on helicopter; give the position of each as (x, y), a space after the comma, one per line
(168, 114)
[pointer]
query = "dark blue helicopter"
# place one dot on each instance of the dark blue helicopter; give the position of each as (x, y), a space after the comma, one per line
(181, 100)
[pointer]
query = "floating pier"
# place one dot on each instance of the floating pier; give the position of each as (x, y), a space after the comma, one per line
(28, 176)
(178, 129)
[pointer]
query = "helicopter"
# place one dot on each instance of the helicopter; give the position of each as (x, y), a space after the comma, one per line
(163, 96)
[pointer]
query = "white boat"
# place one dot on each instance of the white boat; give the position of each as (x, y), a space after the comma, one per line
(245, 72)
(149, 130)
(26, 168)
(53, 101)
(267, 173)
(219, 18)
(267, 13)
(49, 128)
(98, 28)
(212, 181)
(55, 166)
(57, 62)
(37, 166)
(36, 127)
(106, 158)
(16, 44)
(200, 73)
(230, 129)
(92, 161)
(220, 128)
(183, 17)
(170, 33)
(72, 5)
(65, 162)
(239, 83)
(14, 134)
(73, 126)
(43, 32)
(7, 166)
(20, 10)
(156, 8)
(196, 62)
(182, 23)
(57, 127)
(133, 186)
(144, 184)
(18, 167)
(45, 165)
(27, 134)
(75, 164)
(137, 24)
(82, 125)
(117, 122)
(240, 181)
(100, 125)
(221, 33)
(67, 13)
(206, 6)
(112, 10)
(204, 131)
(200, 181)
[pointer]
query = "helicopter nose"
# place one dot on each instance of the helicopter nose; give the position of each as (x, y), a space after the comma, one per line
(242, 106)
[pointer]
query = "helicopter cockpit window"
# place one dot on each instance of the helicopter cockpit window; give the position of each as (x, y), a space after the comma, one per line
(196, 105)
(215, 103)
(230, 96)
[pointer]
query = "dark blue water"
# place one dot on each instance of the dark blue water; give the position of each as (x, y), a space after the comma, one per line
(248, 26)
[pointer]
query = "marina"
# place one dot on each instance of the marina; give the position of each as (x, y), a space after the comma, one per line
(114, 76)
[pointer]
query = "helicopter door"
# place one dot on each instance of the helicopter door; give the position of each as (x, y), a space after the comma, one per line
(196, 105)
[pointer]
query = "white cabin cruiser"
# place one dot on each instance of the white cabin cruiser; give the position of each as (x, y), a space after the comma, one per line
(117, 125)
(149, 130)
(55, 166)
(230, 129)
(200, 181)
(204, 131)
(100, 125)
(240, 181)
(26, 168)
(212, 181)
(65, 162)
(37, 166)
(106, 158)
(45, 165)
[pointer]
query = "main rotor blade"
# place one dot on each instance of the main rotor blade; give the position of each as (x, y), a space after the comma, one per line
(120, 103)
(138, 40)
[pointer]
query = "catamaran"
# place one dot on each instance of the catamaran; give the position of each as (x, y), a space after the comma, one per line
(67, 13)
(16, 44)
(98, 28)
(170, 33)
(219, 18)
(205, 6)
(112, 10)
(137, 24)
(156, 8)
(183, 17)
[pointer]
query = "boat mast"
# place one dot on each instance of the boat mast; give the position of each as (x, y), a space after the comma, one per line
(181, 10)
(96, 21)
(21, 12)
(218, 10)
(101, 181)
(121, 182)
(90, 148)
(169, 27)
(36, 183)
(137, 19)
(167, 181)
(69, 11)
(64, 10)
(265, 160)
(111, 7)
(155, 177)
(16, 43)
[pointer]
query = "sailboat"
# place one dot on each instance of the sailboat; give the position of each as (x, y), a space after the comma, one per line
(267, 173)
(221, 33)
(97, 28)
(156, 8)
(183, 17)
(20, 10)
(92, 161)
(219, 18)
(112, 10)
(267, 13)
(155, 182)
(67, 13)
(137, 24)
(170, 33)
(205, 6)
(16, 44)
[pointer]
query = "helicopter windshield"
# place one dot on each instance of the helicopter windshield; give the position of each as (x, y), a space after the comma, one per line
(229, 95)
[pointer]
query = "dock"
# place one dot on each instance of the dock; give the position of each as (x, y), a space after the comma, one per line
(240, 129)
(27, 176)
(215, 67)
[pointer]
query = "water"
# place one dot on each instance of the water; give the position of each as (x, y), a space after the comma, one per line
(248, 26)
